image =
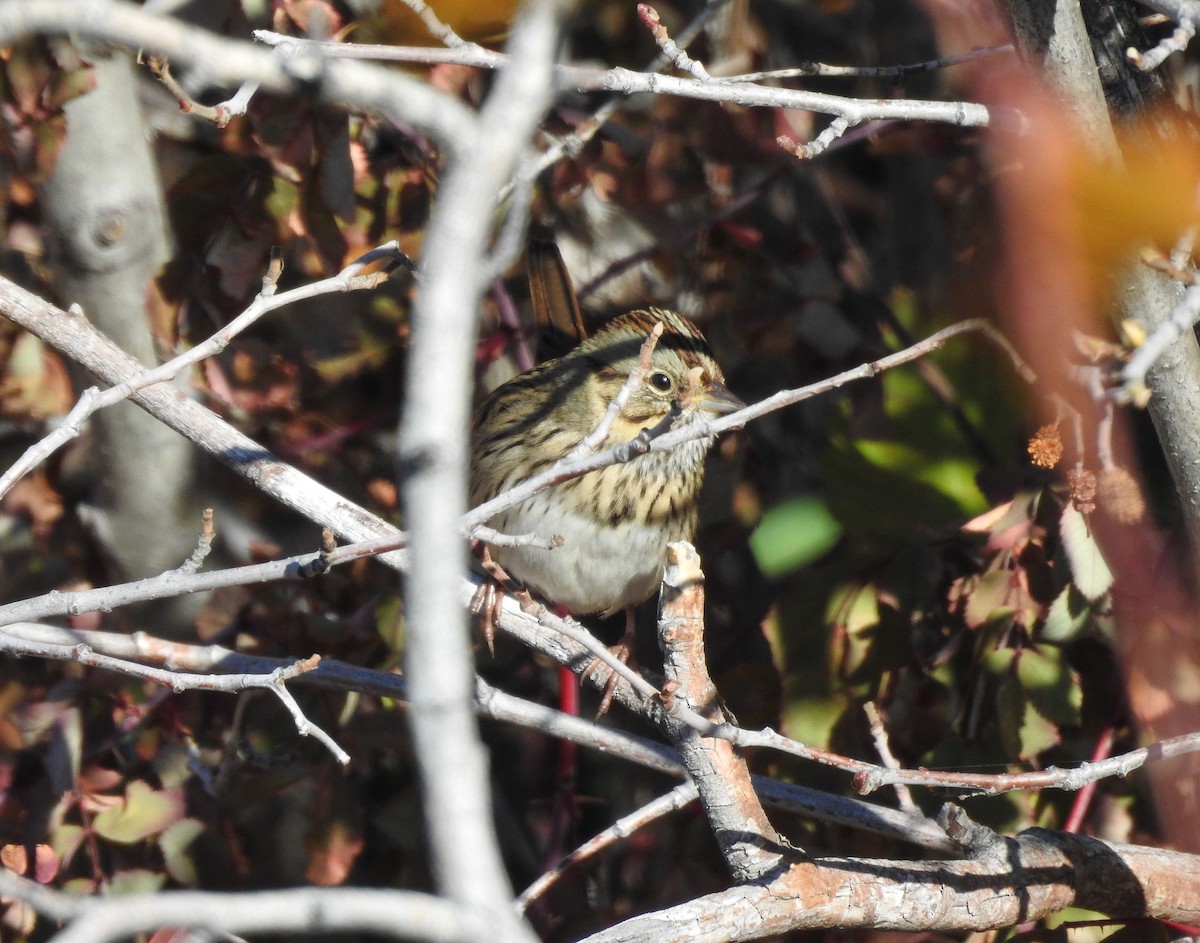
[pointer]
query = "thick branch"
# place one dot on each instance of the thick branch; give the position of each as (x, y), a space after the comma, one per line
(752, 848)
(1016, 881)
(433, 454)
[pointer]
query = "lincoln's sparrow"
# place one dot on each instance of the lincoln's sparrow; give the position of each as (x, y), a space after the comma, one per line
(617, 521)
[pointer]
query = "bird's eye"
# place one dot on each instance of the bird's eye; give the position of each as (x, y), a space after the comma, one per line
(660, 381)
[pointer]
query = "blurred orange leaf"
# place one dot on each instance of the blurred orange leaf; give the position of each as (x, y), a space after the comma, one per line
(1152, 199)
(16, 859)
(481, 22)
(332, 854)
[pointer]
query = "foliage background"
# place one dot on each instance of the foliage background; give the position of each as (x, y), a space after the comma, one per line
(891, 543)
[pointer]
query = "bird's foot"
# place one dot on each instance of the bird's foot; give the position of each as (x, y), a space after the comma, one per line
(488, 600)
(623, 651)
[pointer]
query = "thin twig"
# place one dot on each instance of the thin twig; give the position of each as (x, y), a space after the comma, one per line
(1185, 314)
(598, 651)
(439, 30)
(676, 436)
(92, 399)
(626, 82)
(680, 59)
(1083, 799)
(203, 545)
(1150, 60)
(807, 69)
(305, 726)
(219, 114)
(883, 747)
(178, 681)
(678, 798)
(510, 241)
(497, 539)
(595, 439)
(835, 129)
(1104, 435)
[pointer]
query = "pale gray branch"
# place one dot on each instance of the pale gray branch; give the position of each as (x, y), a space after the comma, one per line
(433, 454)
(729, 90)
(45, 641)
(92, 399)
(659, 807)
(216, 60)
(405, 915)
(13, 641)
(673, 438)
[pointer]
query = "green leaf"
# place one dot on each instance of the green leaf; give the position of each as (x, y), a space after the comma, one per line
(854, 608)
(65, 839)
(998, 661)
(144, 812)
(1025, 732)
(951, 476)
(811, 720)
(988, 600)
(1090, 572)
(174, 844)
(792, 535)
(1052, 687)
(1068, 616)
(1010, 713)
(389, 623)
(135, 881)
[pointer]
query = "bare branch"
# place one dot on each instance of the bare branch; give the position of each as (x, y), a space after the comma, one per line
(1180, 321)
(868, 777)
(11, 640)
(678, 798)
(730, 91)
(403, 915)
(680, 59)
(882, 71)
(203, 545)
(662, 440)
(124, 649)
(836, 128)
(433, 450)
(1178, 41)
(437, 29)
(216, 60)
(753, 850)
(469, 54)
(349, 279)
(883, 747)
(497, 539)
(219, 114)
(1014, 880)
(305, 726)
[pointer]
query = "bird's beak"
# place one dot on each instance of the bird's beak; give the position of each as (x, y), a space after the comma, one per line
(715, 398)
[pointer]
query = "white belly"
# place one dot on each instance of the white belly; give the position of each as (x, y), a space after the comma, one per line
(597, 568)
